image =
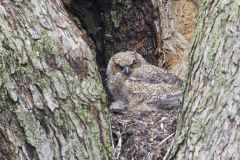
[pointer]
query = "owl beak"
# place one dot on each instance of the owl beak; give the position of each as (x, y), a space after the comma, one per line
(127, 70)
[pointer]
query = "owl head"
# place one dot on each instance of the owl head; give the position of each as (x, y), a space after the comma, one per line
(124, 62)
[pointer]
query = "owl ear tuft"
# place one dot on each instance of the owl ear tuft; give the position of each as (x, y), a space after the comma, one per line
(138, 62)
(135, 53)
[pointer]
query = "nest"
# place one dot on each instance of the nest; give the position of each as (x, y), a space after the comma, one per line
(144, 134)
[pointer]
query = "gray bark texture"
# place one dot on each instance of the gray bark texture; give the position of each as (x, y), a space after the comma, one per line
(52, 102)
(209, 125)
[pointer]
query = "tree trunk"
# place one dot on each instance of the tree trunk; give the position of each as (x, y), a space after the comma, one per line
(209, 125)
(52, 103)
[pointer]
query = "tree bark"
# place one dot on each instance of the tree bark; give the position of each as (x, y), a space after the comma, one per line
(175, 26)
(52, 103)
(209, 125)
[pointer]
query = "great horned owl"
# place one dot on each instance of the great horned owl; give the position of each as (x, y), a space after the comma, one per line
(119, 69)
(135, 83)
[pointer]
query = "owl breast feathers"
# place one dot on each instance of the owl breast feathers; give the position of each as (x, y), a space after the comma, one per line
(140, 85)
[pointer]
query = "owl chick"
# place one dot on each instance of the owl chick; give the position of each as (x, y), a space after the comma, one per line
(119, 69)
(149, 96)
(136, 84)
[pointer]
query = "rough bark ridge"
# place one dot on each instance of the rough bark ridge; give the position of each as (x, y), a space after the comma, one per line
(52, 103)
(209, 127)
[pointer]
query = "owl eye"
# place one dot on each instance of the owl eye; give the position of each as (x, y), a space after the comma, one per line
(133, 64)
(120, 67)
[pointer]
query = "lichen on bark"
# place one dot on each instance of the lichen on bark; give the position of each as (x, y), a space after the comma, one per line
(52, 102)
(209, 124)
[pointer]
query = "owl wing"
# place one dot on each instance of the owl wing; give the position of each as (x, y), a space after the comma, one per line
(164, 96)
(155, 75)
(158, 96)
(167, 101)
